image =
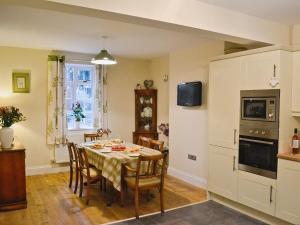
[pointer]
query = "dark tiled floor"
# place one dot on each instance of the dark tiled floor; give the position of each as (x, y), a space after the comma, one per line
(208, 213)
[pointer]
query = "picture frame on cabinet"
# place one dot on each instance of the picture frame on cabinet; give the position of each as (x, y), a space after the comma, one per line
(21, 81)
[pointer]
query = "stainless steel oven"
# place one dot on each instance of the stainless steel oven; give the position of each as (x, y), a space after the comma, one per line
(258, 156)
(259, 132)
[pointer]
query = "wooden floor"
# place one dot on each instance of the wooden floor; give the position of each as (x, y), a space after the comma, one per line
(51, 202)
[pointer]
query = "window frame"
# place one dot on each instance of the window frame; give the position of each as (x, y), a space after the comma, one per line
(75, 83)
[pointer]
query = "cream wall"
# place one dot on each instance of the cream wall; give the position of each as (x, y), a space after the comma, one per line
(122, 80)
(296, 35)
(158, 68)
(32, 132)
(189, 125)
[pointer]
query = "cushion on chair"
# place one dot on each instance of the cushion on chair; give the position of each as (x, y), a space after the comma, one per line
(143, 182)
(93, 172)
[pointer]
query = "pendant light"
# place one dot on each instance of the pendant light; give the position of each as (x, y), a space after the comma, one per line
(104, 58)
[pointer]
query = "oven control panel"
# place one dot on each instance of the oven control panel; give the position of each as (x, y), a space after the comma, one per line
(259, 132)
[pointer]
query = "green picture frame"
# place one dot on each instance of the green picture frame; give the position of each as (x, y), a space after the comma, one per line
(21, 81)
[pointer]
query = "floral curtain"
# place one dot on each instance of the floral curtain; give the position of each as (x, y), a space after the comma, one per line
(101, 98)
(56, 122)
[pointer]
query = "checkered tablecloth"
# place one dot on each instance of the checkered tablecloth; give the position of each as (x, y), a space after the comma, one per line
(111, 163)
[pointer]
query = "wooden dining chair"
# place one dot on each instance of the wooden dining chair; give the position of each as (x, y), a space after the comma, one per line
(149, 173)
(157, 145)
(74, 165)
(144, 141)
(90, 174)
(91, 137)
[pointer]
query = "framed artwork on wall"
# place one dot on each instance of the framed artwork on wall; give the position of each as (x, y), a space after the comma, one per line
(21, 81)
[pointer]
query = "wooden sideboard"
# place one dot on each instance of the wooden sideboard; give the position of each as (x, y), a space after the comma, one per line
(12, 178)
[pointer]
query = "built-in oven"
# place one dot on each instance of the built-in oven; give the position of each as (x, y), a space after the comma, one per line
(258, 156)
(259, 132)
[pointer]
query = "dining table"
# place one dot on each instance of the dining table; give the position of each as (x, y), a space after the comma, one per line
(102, 155)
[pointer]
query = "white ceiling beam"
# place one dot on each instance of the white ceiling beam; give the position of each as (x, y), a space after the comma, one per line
(193, 14)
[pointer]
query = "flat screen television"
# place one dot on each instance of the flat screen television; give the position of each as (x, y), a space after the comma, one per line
(189, 93)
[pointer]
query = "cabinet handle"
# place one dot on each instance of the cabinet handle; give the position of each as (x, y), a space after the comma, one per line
(274, 71)
(271, 192)
(234, 136)
(233, 167)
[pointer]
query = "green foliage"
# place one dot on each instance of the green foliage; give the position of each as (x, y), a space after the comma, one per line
(10, 115)
(77, 112)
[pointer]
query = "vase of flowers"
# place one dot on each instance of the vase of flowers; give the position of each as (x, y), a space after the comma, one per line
(78, 114)
(9, 115)
(164, 128)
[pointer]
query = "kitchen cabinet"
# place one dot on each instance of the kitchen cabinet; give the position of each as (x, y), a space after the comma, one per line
(224, 102)
(296, 84)
(258, 70)
(257, 192)
(223, 172)
(288, 197)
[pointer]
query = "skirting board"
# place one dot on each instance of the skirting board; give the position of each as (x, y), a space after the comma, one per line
(188, 178)
(48, 169)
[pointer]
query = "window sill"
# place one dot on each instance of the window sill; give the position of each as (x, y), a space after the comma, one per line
(80, 129)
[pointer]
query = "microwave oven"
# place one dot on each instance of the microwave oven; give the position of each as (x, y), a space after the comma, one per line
(260, 105)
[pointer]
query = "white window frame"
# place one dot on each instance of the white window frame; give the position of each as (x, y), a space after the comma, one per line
(76, 83)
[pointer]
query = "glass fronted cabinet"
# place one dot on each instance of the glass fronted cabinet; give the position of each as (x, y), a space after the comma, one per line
(145, 114)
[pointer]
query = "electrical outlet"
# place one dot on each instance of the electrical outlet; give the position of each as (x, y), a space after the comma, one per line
(192, 157)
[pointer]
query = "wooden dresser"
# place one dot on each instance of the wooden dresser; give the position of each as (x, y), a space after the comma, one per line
(12, 178)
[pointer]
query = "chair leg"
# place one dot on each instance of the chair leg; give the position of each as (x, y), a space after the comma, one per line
(148, 196)
(81, 186)
(88, 191)
(71, 176)
(122, 196)
(162, 201)
(101, 184)
(136, 202)
(104, 184)
(76, 181)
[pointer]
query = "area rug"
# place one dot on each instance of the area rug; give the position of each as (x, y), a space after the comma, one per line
(207, 213)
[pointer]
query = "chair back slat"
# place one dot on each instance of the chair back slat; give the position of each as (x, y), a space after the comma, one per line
(144, 141)
(83, 160)
(73, 157)
(157, 145)
(152, 167)
(91, 137)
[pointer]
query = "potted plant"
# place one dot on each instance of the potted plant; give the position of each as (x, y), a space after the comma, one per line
(78, 114)
(9, 115)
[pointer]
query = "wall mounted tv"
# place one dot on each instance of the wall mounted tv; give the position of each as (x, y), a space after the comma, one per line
(189, 93)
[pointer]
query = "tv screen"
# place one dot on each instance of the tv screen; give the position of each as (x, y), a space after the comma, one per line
(189, 94)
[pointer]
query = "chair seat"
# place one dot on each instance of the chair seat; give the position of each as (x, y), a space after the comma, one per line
(93, 172)
(143, 182)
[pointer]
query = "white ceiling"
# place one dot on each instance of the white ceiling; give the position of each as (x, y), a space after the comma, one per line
(39, 28)
(282, 11)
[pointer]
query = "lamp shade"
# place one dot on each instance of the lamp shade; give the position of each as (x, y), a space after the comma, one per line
(104, 58)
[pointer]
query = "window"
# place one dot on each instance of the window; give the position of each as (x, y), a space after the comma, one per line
(80, 87)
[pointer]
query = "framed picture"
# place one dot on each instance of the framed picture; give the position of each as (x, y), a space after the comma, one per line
(21, 81)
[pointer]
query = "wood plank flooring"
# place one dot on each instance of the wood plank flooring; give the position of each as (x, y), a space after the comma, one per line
(52, 202)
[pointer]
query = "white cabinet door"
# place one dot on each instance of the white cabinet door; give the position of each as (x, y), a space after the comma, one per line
(222, 175)
(288, 193)
(224, 102)
(259, 69)
(257, 192)
(296, 84)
